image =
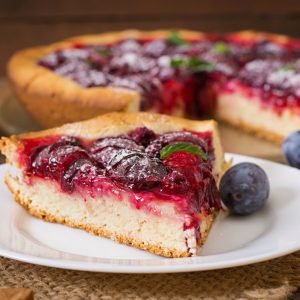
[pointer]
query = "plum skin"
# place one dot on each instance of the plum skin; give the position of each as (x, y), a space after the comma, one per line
(291, 149)
(244, 188)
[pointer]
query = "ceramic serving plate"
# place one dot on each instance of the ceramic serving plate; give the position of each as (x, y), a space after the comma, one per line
(233, 241)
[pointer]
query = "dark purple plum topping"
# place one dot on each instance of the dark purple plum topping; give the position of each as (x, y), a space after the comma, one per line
(268, 49)
(176, 182)
(148, 67)
(67, 140)
(208, 195)
(39, 160)
(123, 159)
(103, 150)
(272, 74)
(46, 160)
(52, 161)
(116, 142)
(137, 170)
(142, 136)
(67, 179)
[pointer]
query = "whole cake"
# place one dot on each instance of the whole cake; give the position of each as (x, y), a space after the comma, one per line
(146, 180)
(249, 79)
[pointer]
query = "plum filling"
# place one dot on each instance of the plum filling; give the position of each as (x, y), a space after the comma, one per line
(186, 75)
(130, 163)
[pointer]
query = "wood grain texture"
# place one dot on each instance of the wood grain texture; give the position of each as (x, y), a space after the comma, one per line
(25, 23)
(71, 8)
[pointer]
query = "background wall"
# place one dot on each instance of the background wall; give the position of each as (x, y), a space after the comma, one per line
(25, 23)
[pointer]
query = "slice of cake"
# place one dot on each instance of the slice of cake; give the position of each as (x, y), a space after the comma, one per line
(145, 180)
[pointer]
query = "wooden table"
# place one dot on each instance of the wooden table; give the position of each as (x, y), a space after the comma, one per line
(30, 23)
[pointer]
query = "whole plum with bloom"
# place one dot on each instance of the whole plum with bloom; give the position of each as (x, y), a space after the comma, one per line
(244, 188)
(291, 149)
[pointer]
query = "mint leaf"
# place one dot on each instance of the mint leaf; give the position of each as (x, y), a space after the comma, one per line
(104, 52)
(192, 63)
(288, 68)
(176, 39)
(221, 48)
(199, 64)
(182, 147)
(177, 62)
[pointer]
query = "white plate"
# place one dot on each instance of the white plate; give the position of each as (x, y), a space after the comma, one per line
(233, 241)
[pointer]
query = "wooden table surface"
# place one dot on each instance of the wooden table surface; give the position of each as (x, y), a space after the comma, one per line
(27, 23)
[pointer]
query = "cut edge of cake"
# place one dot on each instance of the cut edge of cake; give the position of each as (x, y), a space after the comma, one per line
(183, 246)
(248, 114)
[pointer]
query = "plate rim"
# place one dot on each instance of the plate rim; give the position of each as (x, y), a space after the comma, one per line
(181, 266)
(97, 267)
